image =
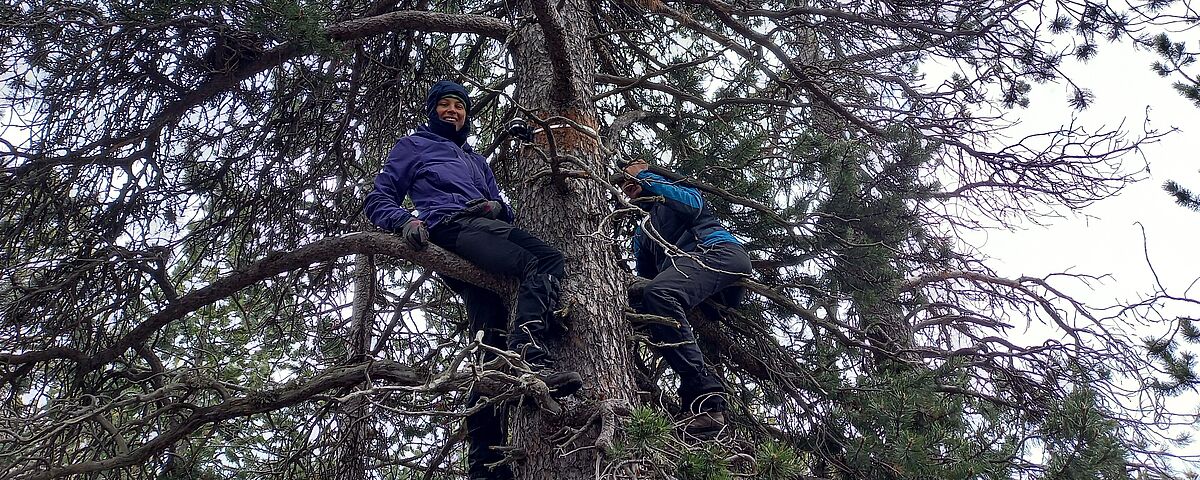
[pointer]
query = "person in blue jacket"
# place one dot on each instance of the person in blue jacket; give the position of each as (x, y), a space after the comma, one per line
(459, 208)
(688, 256)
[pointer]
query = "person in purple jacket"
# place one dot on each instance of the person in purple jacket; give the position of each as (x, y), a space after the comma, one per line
(459, 208)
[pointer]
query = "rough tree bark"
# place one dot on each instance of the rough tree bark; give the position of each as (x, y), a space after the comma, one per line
(555, 79)
(354, 423)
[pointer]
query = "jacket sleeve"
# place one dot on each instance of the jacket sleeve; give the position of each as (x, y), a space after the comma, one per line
(508, 215)
(685, 199)
(644, 257)
(383, 204)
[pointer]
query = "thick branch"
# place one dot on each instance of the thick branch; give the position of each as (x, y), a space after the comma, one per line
(270, 265)
(618, 126)
(625, 83)
(418, 20)
(555, 34)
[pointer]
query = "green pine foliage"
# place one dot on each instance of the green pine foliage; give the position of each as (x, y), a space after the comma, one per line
(1081, 441)
(1175, 59)
(778, 461)
(1190, 329)
(298, 21)
(647, 433)
(1190, 91)
(704, 464)
(1183, 196)
(909, 429)
(650, 444)
(1176, 363)
(866, 219)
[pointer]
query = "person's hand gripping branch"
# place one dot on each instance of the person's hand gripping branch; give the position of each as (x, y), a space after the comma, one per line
(627, 179)
(415, 234)
(635, 167)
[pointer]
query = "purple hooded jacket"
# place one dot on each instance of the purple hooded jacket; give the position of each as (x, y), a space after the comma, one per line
(436, 172)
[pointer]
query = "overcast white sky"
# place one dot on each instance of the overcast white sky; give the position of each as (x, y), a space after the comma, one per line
(1106, 238)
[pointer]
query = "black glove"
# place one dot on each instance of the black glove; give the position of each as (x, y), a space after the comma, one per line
(636, 288)
(619, 178)
(415, 234)
(484, 208)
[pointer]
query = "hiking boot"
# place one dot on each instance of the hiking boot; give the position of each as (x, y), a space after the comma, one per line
(561, 384)
(706, 425)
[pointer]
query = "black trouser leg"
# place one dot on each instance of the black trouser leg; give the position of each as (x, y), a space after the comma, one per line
(673, 293)
(500, 248)
(537, 298)
(488, 427)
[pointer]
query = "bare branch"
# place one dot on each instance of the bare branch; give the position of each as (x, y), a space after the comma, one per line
(244, 406)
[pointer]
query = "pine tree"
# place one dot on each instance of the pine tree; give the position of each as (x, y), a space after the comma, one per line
(189, 295)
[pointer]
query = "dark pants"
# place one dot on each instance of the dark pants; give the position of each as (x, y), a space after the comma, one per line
(500, 248)
(675, 291)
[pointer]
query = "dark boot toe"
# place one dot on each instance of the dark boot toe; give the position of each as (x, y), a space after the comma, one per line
(562, 384)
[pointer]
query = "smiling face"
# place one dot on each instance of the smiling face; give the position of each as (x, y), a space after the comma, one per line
(451, 110)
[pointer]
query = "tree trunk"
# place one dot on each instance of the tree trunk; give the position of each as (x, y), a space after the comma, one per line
(564, 212)
(355, 422)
